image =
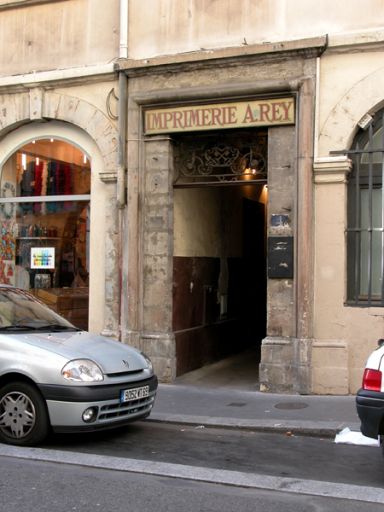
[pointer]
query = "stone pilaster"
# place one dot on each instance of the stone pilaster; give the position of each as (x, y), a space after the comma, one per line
(157, 257)
(330, 353)
(286, 352)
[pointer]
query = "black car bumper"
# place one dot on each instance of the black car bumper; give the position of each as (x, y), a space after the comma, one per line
(109, 409)
(93, 393)
(370, 408)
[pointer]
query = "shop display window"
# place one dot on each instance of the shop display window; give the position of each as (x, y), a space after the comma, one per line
(44, 218)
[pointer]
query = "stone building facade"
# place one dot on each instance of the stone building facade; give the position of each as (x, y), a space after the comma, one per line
(289, 156)
(220, 138)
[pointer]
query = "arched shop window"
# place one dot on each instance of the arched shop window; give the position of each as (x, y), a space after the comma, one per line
(44, 216)
(365, 231)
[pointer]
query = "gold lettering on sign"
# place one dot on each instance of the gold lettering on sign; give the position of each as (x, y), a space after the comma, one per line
(222, 115)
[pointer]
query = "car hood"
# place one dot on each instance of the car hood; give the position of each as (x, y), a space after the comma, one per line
(112, 356)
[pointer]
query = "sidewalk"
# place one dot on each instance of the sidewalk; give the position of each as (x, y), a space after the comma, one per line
(240, 408)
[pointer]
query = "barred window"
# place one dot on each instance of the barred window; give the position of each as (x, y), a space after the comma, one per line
(365, 234)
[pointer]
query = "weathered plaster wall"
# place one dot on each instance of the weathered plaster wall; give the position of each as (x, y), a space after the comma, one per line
(199, 219)
(197, 222)
(58, 35)
(176, 26)
(351, 84)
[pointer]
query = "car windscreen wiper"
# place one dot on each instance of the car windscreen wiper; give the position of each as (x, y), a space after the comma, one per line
(56, 327)
(17, 327)
(44, 327)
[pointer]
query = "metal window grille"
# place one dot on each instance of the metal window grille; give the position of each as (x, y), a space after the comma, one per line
(365, 224)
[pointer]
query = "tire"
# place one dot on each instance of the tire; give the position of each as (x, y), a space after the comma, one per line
(23, 415)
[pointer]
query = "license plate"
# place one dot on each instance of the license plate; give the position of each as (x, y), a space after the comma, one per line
(127, 395)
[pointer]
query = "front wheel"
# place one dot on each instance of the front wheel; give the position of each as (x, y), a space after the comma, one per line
(23, 415)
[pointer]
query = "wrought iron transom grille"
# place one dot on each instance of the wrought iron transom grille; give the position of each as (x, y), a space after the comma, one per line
(220, 160)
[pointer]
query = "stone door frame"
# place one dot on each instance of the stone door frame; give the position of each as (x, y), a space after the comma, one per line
(150, 214)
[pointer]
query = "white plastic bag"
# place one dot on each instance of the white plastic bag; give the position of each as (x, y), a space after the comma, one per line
(347, 436)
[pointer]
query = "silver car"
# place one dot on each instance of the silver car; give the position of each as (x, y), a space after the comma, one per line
(53, 375)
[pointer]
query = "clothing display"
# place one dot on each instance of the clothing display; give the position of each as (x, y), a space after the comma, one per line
(47, 177)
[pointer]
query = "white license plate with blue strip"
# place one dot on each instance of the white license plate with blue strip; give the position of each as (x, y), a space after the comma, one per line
(128, 395)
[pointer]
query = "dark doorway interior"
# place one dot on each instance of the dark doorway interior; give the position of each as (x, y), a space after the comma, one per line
(253, 279)
(219, 296)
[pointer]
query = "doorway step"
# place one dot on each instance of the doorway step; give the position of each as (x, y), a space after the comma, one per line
(240, 371)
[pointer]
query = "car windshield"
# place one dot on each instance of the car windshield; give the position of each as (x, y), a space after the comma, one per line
(21, 311)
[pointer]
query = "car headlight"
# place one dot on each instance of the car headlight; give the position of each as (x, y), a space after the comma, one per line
(82, 370)
(148, 361)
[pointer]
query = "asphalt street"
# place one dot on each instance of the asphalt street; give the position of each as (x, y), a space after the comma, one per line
(34, 486)
(278, 454)
(248, 453)
(197, 455)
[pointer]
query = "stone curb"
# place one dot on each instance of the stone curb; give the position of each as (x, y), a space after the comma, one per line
(304, 427)
(201, 474)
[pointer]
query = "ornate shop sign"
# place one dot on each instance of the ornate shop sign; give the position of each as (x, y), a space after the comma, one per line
(217, 116)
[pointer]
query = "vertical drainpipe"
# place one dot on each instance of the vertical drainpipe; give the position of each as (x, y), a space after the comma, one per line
(123, 48)
(122, 130)
(317, 111)
(121, 195)
(122, 113)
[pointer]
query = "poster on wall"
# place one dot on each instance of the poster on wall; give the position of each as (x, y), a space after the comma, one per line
(42, 257)
(7, 245)
(7, 272)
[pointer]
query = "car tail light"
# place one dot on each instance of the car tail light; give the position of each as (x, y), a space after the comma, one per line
(372, 379)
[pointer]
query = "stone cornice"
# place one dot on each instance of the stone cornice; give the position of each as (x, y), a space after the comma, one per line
(306, 48)
(53, 78)
(357, 41)
(222, 90)
(331, 169)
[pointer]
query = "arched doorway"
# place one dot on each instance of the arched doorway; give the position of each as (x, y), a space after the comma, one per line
(45, 191)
